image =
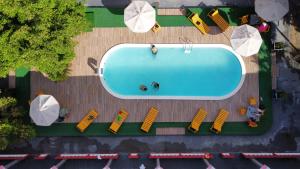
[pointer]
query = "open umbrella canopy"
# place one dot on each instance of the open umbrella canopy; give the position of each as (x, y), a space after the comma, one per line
(246, 40)
(139, 16)
(44, 110)
(271, 10)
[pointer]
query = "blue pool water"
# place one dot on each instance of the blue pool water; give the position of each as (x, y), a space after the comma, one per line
(208, 72)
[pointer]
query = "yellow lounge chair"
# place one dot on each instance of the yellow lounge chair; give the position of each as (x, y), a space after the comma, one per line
(198, 22)
(149, 119)
(197, 120)
(156, 28)
(219, 122)
(118, 121)
(87, 120)
(218, 19)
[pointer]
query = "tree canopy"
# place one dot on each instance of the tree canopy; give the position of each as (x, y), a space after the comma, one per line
(14, 127)
(38, 34)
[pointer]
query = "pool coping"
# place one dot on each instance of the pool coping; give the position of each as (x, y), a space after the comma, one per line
(145, 97)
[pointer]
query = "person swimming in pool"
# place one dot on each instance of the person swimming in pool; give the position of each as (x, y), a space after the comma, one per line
(154, 49)
(143, 88)
(155, 85)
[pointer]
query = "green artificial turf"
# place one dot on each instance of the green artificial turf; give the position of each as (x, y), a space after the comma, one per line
(91, 19)
(23, 86)
(113, 17)
(103, 17)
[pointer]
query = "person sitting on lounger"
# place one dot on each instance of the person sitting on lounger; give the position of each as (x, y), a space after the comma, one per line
(143, 88)
(155, 85)
(154, 49)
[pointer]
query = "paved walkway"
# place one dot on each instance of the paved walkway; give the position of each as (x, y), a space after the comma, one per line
(173, 3)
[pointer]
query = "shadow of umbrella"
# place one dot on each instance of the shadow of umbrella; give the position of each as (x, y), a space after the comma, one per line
(116, 6)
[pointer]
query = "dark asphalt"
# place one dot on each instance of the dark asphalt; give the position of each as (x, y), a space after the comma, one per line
(284, 136)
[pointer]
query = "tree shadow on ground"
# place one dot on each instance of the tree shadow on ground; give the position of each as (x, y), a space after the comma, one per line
(92, 64)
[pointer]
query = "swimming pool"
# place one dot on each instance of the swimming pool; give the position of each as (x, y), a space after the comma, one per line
(187, 72)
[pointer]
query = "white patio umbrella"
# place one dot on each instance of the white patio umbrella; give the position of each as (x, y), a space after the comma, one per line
(271, 10)
(139, 16)
(44, 110)
(246, 40)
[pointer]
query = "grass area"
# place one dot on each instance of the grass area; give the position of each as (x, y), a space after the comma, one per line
(103, 17)
(113, 17)
(90, 18)
(23, 86)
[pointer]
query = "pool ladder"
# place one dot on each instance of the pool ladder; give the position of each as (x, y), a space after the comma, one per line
(187, 46)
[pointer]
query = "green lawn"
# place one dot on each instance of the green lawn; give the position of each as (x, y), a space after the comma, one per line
(102, 17)
(23, 86)
(107, 17)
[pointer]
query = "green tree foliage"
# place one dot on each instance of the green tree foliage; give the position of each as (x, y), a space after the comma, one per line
(6, 129)
(6, 102)
(13, 127)
(14, 132)
(3, 143)
(24, 131)
(38, 33)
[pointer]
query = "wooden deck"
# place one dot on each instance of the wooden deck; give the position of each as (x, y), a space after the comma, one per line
(170, 131)
(84, 91)
(274, 71)
(162, 11)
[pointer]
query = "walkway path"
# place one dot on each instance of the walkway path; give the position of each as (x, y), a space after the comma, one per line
(173, 3)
